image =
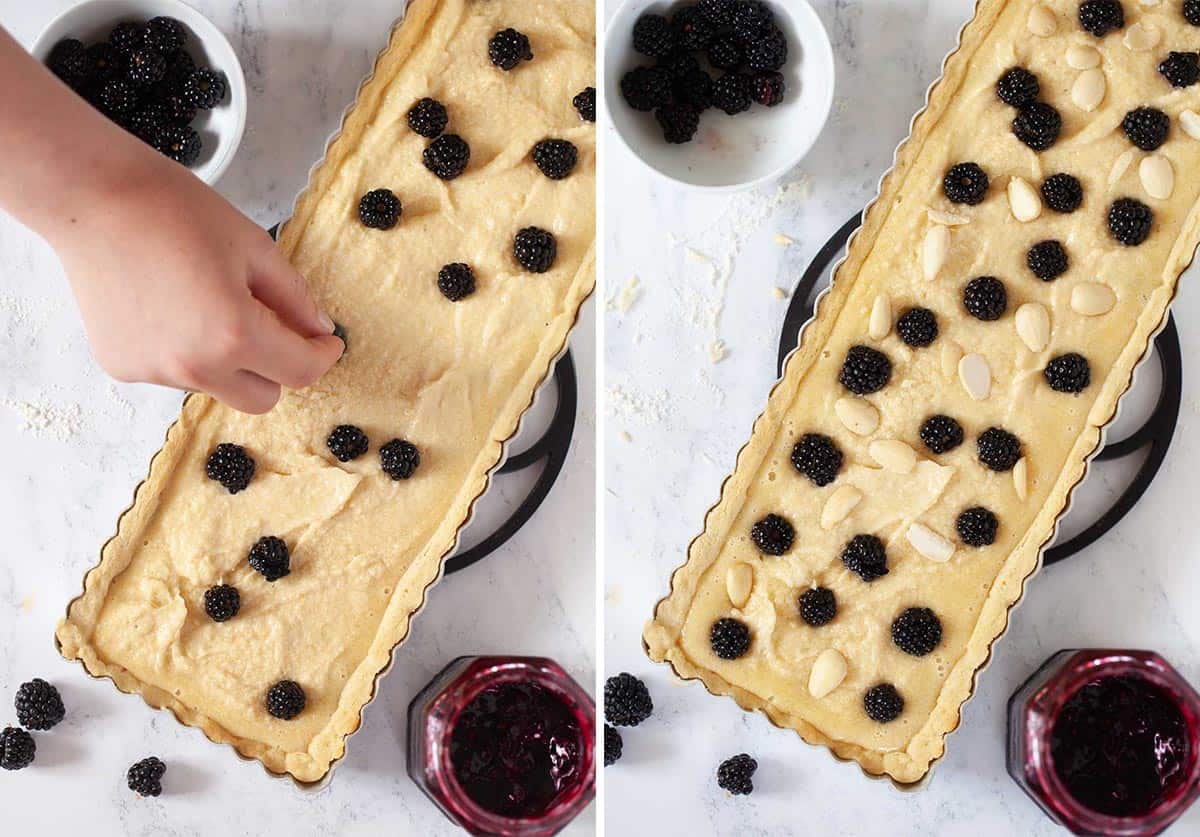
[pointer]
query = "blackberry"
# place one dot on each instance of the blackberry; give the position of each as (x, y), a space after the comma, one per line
(627, 701)
(269, 557)
(71, 62)
(1147, 128)
(1018, 87)
(818, 606)
(729, 638)
(231, 466)
(447, 156)
(917, 327)
(204, 89)
(1062, 193)
(535, 249)
(164, 35)
(456, 281)
(866, 557)
(717, 12)
(105, 62)
(725, 53)
(646, 88)
(768, 89)
(773, 535)
(998, 449)
(731, 93)
(347, 442)
(222, 602)
(118, 98)
(817, 457)
(17, 748)
(654, 36)
(38, 704)
(179, 142)
(1101, 16)
(1037, 125)
(285, 700)
(612, 745)
(145, 68)
(1048, 260)
(977, 526)
(178, 108)
(126, 37)
(149, 120)
(985, 299)
(145, 777)
(1181, 69)
(1191, 12)
(751, 19)
(379, 209)
(917, 631)
(679, 63)
(179, 69)
(965, 183)
(865, 370)
(555, 158)
(693, 89)
(883, 703)
(941, 434)
(428, 117)
(1069, 373)
(679, 122)
(585, 104)
(508, 48)
(768, 53)
(1129, 221)
(735, 775)
(693, 31)
(399, 459)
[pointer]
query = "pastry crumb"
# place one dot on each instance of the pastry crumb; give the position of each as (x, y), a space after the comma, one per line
(779, 292)
(625, 436)
(783, 240)
(717, 351)
(627, 296)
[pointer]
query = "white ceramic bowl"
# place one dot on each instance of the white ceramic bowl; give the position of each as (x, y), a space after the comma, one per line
(728, 152)
(221, 128)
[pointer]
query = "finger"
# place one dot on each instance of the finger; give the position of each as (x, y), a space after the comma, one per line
(281, 355)
(280, 287)
(244, 391)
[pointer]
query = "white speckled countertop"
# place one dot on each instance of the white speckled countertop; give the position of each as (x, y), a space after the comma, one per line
(74, 446)
(707, 267)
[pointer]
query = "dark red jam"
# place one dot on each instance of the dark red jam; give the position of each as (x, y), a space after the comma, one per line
(1120, 745)
(515, 748)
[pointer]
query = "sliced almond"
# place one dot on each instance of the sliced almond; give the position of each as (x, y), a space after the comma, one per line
(1142, 36)
(1088, 90)
(739, 581)
(976, 376)
(1091, 299)
(1041, 21)
(1033, 325)
(929, 543)
(881, 318)
(839, 505)
(1158, 177)
(893, 455)
(857, 415)
(1120, 166)
(1024, 200)
(828, 672)
(951, 354)
(1021, 478)
(1189, 120)
(1082, 57)
(950, 219)
(933, 253)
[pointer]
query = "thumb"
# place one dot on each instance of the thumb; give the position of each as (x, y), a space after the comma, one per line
(280, 287)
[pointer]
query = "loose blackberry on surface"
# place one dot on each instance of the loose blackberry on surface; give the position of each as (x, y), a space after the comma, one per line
(447, 156)
(269, 557)
(379, 209)
(679, 122)
(736, 774)
(818, 606)
(39, 705)
(145, 777)
(1099, 17)
(627, 701)
(817, 457)
(1130, 221)
(1191, 12)
(1048, 260)
(865, 370)
(17, 749)
(612, 745)
(977, 526)
(729, 638)
(1181, 69)
(508, 48)
(222, 602)
(866, 557)
(773, 534)
(646, 88)
(231, 466)
(731, 93)
(998, 449)
(456, 281)
(653, 35)
(428, 118)
(204, 89)
(347, 442)
(1146, 127)
(1018, 87)
(1062, 193)
(882, 703)
(1069, 373)
(965, 183)
(179, 142)
(555, 158)
(535, 249)
(399, 459)
(941, 434)
(285, 700)
(1037, 125)
(585, 104)
(768, 89)
(917, 327)
(985, 298)
(917, 631)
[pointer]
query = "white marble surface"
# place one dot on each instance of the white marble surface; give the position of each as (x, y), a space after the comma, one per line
(71, 468)
(674, 422)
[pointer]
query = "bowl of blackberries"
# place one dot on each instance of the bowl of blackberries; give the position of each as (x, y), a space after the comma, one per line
(718, 94)
(160, 70)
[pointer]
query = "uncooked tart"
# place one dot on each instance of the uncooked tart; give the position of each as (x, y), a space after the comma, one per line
(923, 542)
(451, 377)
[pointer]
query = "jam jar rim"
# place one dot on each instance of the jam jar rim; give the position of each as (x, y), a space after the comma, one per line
(1078, 669)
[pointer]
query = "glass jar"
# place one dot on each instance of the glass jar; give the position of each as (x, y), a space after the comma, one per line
(458, 712)
(1036, 706)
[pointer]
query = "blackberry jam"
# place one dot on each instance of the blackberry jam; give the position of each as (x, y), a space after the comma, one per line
(504, 745)
(1107, 742)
